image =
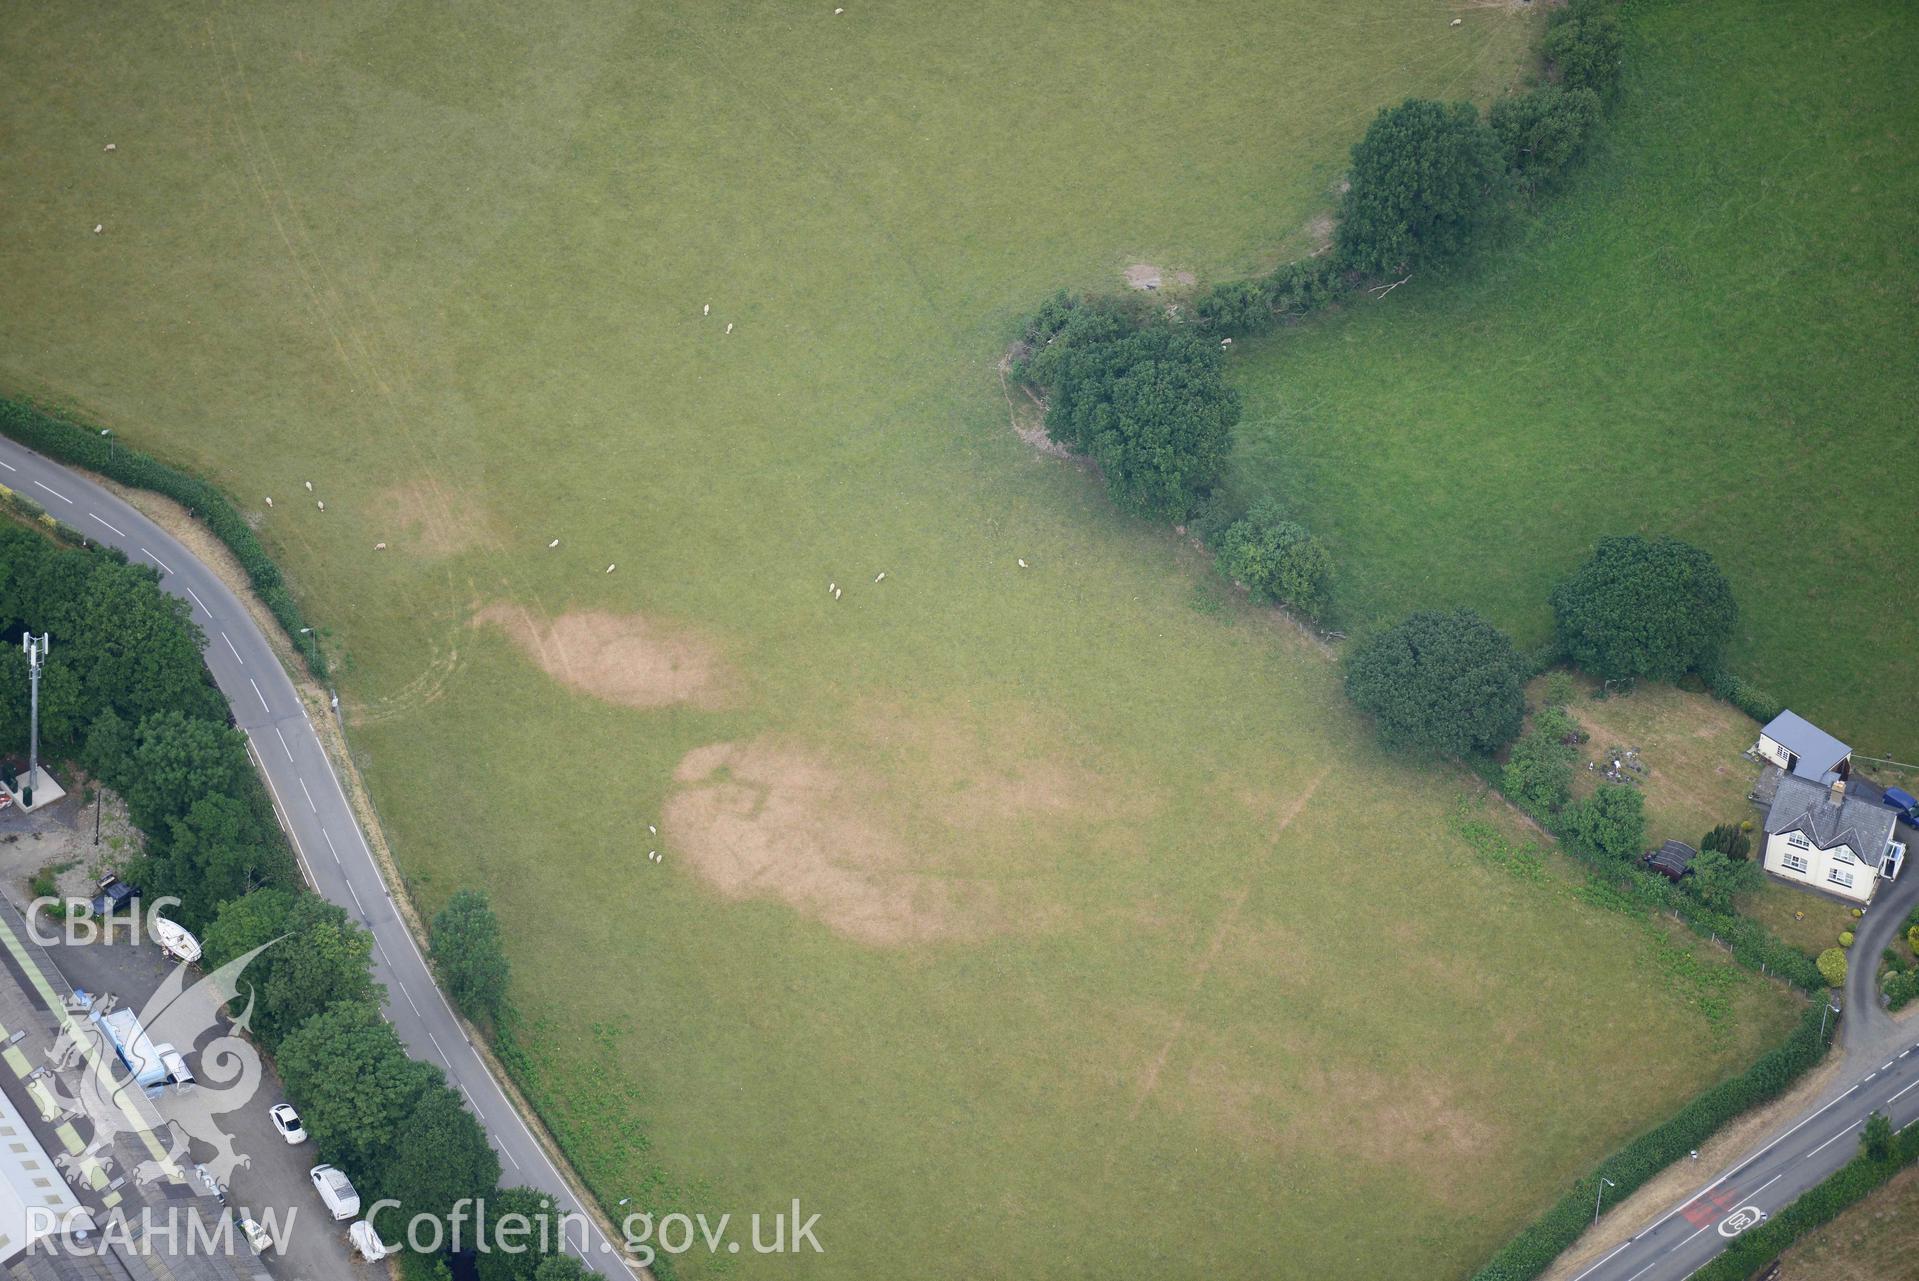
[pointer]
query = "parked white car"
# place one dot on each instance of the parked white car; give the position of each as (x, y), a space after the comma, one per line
(342, 1202)
(287, 1122)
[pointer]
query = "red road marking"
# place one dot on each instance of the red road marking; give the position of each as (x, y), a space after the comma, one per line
(1711, 1207)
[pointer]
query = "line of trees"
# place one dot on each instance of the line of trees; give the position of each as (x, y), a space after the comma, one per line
(126, 694)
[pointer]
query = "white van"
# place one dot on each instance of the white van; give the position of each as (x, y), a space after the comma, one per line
(336, 1190)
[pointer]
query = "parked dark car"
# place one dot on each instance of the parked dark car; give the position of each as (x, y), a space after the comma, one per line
(1904, 802)
(113, 895)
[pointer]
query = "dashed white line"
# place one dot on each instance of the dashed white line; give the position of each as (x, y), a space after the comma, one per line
(235, 652)
(310, 804)
(356, 897)
(330, 846)
(56, 493)
(202, 604)
(107, 523)
(409, 997)
(1828, 1143)
(156, 560)
(1895, 1098)
(262, 697)
(9, 466)
(283, 744)
(278, 807)
(438, 1046)
(1602, 1263)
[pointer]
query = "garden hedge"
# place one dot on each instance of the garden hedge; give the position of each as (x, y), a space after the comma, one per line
(69, 442)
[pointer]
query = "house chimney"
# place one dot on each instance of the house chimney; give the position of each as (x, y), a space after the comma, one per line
(1838, 796)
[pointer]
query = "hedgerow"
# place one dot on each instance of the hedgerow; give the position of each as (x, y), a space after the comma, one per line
(69, 442)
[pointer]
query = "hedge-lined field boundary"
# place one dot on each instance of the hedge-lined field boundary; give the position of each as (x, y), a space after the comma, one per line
(70, 442)
(1531, 1252)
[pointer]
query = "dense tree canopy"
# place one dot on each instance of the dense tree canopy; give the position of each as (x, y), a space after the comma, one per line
(1446, 682)
(1277, 560)
(1586, 47)
(244, 923)
(1542, 132)
(1539, 772)
(468, 954)
(1654, 608)
(438, 1156)
(325, 958)
(1144, 398)
(355, 1084)
(1423, 181)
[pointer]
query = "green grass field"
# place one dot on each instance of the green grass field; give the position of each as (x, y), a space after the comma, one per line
(1047, 921)
(1710, 333)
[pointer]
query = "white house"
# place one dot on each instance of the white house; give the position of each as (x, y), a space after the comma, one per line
(1819, 836)
(1797, 746)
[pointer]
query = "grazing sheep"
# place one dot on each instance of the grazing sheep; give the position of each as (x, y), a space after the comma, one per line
(706, 309)
(831, 588)
(555, 543)
(836, 593)
(379, 547)
(1457, 21)
(1021, 563)
(269, 500)
(654, 830)
(881, 578)
(109, 147)
(99, 227)
(729, 326)
(309, 485)
(611, 568)
(320, 503)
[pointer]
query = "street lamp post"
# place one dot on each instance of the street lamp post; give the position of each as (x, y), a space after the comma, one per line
(36, 651)
(1604, 1183)
(1830, 1009)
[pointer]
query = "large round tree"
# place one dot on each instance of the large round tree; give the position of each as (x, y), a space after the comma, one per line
(1655, 608)
(1422, 182)
(1445, 682)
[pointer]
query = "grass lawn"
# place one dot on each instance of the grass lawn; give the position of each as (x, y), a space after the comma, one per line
(1709, 333)
(1016, 921)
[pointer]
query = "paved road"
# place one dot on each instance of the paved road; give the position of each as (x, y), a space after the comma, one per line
(313, 808)
(1881, 1074)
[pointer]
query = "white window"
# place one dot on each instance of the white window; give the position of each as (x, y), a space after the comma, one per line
(1798, 842)
(1842, 855)
(1839, 877)
(1795, 862)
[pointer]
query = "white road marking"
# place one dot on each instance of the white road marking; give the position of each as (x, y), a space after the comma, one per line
(155, 559)
(1828, 1143)
(283, 744)
(356, 897)
(1895, 1098)
(1888, 1063)
(1602, 1262)
(1643, 1271)
(236, 654)
(285, 826)
(56, 493)
(310, 804)
(409, 1000)
(330, 845)
(108, 524)
(437, 1046)
(262, 697)
(9, 466)
(202, 604)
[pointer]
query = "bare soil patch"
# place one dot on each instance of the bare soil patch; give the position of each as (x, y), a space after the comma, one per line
(414, 516)
(1027, 412)
(765, 820)
(626, 659)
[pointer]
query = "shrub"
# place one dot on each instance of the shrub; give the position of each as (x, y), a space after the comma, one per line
(1653, 608)
(1236, 307)
(1443, 682)
(1422, 184)
(1585, 48)
(1146, 401)
(1728, 838)
(466, 950)
(1912, 938)
(1717, 879)
(1845, 938)
(1557, 690)
(1277, 560)
(1609, 824)
(1539, 773)
(1543, 132)
(1832, 966)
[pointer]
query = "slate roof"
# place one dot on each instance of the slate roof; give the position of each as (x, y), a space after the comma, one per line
(1818, 752)
(1805, 806)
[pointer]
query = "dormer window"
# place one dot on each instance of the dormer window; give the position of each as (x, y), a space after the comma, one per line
(1798, 841)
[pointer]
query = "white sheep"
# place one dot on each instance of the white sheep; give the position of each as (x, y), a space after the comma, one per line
(320, 503)
(1021, 563)
(729, 326)
(706, 309)
(269, 500)
(110, 147)
(99, 227)
(611, 568)
(555, 543)
(379, 547)
(309, 485)
(1457, 21)
(881, 577)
